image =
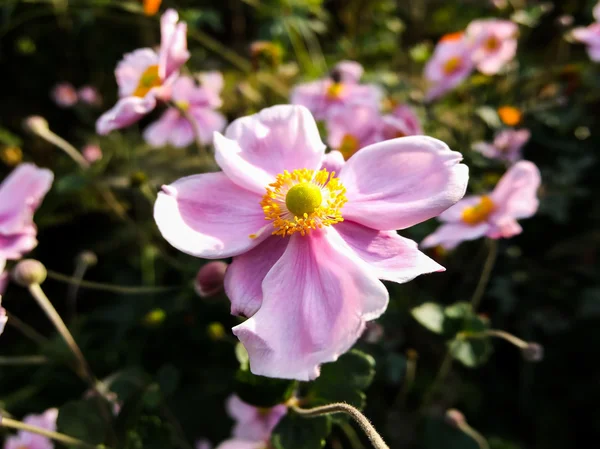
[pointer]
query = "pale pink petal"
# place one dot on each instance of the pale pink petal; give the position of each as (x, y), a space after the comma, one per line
(4, 279)
(159, 132)
(173, 44)
(493, 62)
(589, 35)
(209, 216)
(240, 444)
(212, 83)
(64, 95)
(350, 71)
(244, 277)
(126, 112)
(258, 147)
(14, 246)
(516, 193)
(313, 96)
(253, 424)
(183, 133)
(449, 235)
(131, 68)
(390, 256)
(505, 228)
(487, 149)
(401, 182)
(185, 89)
(363, 123)
(333, 161)
(208, 122)
(455, 213)
(594, 52)
(317, 298)
(238, 410)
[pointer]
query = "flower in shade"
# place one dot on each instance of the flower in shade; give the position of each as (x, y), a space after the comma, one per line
(340, 89)
(236, 443)
(495, 44)
(507, 145)
(253, 423)
(145, 76)
(209, 280)
(4, 278)
(64, 95)
(92, 152)
(198, 103)
(450, 64)
(590, 36)
(494, 215)
(20, 195)
(401, 122)
(89, 95)
(29, 440)
(319, 239)
(352, 128)
(3, 317)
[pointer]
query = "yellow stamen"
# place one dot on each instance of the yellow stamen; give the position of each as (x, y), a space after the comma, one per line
(148, 80)
(348, 146)
(183, 105)
(303, 200)
(334, 92)
(510, 115)
(452, 65)
(492, 43)
(480, 212)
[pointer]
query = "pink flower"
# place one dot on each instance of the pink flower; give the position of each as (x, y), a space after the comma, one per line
(401, 122)
(297, 232)
(174, 128)
(145, 76)
(28, 440)
(495, 44)
(3, 317)
(235, 443)
(210, 277)
(507, 145)
(89, 95)
(20, 195)
(340, 89)
(352, 128)
(591, 37)
(494, 215)
(92, 152)
(450, 64)
(64, 95)
(253, 423)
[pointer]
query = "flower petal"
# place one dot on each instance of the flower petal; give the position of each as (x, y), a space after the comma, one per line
(244, 277)
(516, 193)
(208, 121)
(390, 256)
(130, 69)
(236, 443)
(317, 298)
(126, 112)
(158, 133)
(401, 182)
(333, 161)
(350, 71)
(173, 44)
(449, 235)
(258, 147)
(209, 216)
(455, 213)
(14, 246)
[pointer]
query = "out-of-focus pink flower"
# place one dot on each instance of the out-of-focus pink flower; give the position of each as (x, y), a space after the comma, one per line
(450, 64)
(20, 195)
(507, 145)
(145, 76)
(3, 317)
(4, 278)
(494, 215)
(235, 443)
(253, 423)
(339, 90)
(590, 36)
(210, 277)
(28, 440)
(64, 95)
(352, 128)
(173, 126)
(203, 443)
(92, 152)
(328, 270)
(596, 12)
(401, 122)
(495, 44)
(89, 95)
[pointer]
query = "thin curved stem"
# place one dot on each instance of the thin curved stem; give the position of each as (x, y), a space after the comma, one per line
(498, 334)
(485, 274)
(25, 329)
(340, 407)
(479, 438)
(62, 438)
(61, 143)
(23, 360)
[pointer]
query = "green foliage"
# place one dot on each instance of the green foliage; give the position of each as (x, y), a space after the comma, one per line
(84, 420)
(262, 391)
(296, 432)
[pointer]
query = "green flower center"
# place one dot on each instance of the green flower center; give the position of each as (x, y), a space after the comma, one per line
(303, 199)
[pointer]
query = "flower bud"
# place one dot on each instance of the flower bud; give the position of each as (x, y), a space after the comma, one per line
(11, 155)
(533, 352)
(209, 280)
(87, 258)
(92, 153)
(29, 272)
(36, 124)
(373, 333)
(455, 418)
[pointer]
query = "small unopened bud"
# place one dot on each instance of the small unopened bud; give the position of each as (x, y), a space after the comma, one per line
(87, 258)
(209, 280)
(374, 332)
(455, 418)
(533, 352)
(215, 331)
(29, 272)
(36, 124)
(92, 153)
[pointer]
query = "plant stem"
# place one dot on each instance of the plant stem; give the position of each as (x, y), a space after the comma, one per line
(443, 372)
(23, 360)
(65, 439)
(25, 329)
(498, 334)
(61, 143)
(485, 274)
(340, 407)
(479, 438)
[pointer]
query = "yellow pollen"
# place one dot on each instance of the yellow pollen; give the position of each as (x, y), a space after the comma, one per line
(183, 105)
(480, 212)
(452, 65)
(303, 200)
(348, 146)
(399, 134)
(148, 80)
(492, 43)
(334, 91)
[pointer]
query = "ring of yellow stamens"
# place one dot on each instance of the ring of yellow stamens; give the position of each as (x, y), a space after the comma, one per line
(452, 65)
(334, 91)
(480, 212)
(148, 80)
(303, 200)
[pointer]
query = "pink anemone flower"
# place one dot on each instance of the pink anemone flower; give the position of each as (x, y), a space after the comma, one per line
(253, 423)
(236, 443)
(64, 95)
(494, 215)
(450, 64)
(89, 95)
(28, 440)
(309, 246)
(495, 44)
(145, 76)
(173, 126)
(507, 145)
(20, 195)
(352, 128)
(401, 122)
(590, 36)
(3, 317)
(340, 89)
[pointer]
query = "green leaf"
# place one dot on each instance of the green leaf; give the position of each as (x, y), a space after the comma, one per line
(262, 391)
(8, 138)
(296, 432)
(83, 420)
(71, 183)
(489, 116)
(430, 315)
(472, 352)
(168, 379)
(435, 433)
